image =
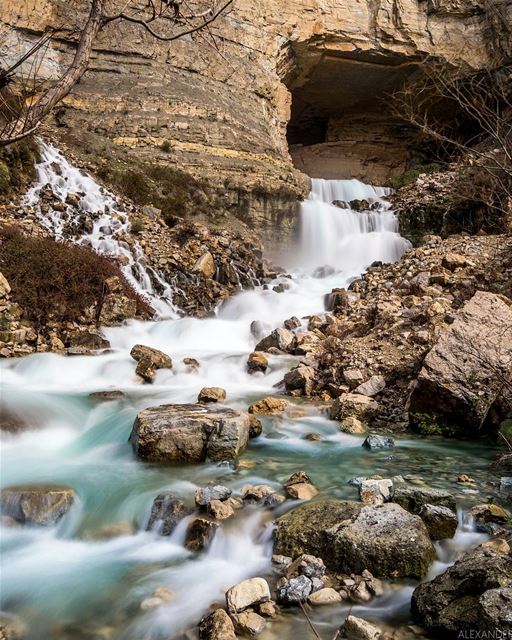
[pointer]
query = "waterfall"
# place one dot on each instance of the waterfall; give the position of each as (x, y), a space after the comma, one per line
(337, 236)
(108, 226)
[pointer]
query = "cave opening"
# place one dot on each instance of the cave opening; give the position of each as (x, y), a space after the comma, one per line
(342, 123)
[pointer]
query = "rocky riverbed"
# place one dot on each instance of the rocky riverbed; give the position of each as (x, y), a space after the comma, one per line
(279, 469)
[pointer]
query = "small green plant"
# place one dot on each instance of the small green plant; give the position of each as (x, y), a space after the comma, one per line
(411, 175)
(137, 225)
(166, 146)
(5, 177)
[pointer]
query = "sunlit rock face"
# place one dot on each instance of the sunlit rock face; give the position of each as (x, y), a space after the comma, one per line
(317, 70)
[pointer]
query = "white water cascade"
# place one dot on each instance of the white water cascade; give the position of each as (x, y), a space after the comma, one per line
(74, 581)
(344, 239)
(109, 234)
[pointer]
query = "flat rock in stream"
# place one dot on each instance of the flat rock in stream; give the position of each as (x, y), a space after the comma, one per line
(351, 537)
(41, 506)
(189, 433)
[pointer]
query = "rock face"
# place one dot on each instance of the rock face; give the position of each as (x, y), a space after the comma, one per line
(36, 505)
(473, 594)
(351, 537)
(189, 434)
(228, 122)
(464, 373)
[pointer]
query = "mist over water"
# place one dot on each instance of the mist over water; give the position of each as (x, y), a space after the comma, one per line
(70, 578)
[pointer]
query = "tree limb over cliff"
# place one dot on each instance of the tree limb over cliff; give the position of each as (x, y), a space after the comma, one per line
(164, 20)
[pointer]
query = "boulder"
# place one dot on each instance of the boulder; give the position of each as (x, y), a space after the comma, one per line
(248, 593)
(40, 506)
(299, 487)
(294, 590)
(324, 596)
(351, 537)
(269, 406)
(306, 565)
(375, 491)
(486, 513)
(200, 534)
(205, 265)
(359, 629)
(282, 339)
(255, 427)
(220, 510)
(454, 261)
(496, 607)
(353, 377)
(375, 442)
(248, 623)
(146, 370)
(257, 361)
(464, 373)
(352, 425)
(371, 387)
(217, 626)
(206, 495)
(441, 522)
(167, 511)
(414, 498)
(159, 359)
(211, 394)
(354, 405)
(189, 433)
(301, 378)
(463, 598)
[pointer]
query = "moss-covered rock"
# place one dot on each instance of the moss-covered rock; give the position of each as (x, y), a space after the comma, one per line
(351, 537)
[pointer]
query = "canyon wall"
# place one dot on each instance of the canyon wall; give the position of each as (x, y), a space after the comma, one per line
(218, 108)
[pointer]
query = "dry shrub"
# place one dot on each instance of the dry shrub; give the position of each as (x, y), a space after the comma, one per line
(56, 281)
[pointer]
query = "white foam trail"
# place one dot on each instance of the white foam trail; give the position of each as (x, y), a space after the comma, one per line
(111, 225)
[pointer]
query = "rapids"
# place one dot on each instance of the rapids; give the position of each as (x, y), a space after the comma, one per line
(76, 580)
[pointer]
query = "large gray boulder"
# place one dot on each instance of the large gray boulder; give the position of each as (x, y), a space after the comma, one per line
(466, 371)
(189, 433)
(36, 505)
(472, 595)
(351, 537)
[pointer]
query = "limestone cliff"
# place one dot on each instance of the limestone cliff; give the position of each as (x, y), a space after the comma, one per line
(312, 74)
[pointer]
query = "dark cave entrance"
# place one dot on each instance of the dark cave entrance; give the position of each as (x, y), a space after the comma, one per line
(342, 123)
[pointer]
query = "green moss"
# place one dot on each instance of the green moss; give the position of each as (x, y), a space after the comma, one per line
(429, 424)
(411, 175)
(137, 225)
(5, 177)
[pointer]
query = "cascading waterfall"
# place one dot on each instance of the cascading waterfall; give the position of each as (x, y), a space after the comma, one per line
(72, 579)
(344, 239)
(109, 234)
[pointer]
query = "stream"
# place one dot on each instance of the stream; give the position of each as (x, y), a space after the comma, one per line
(87, 577)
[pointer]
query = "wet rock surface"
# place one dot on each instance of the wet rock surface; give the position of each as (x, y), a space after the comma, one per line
(473, 594)
(41, 506)
(351, 537)
(166, 513)
(189, 434)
